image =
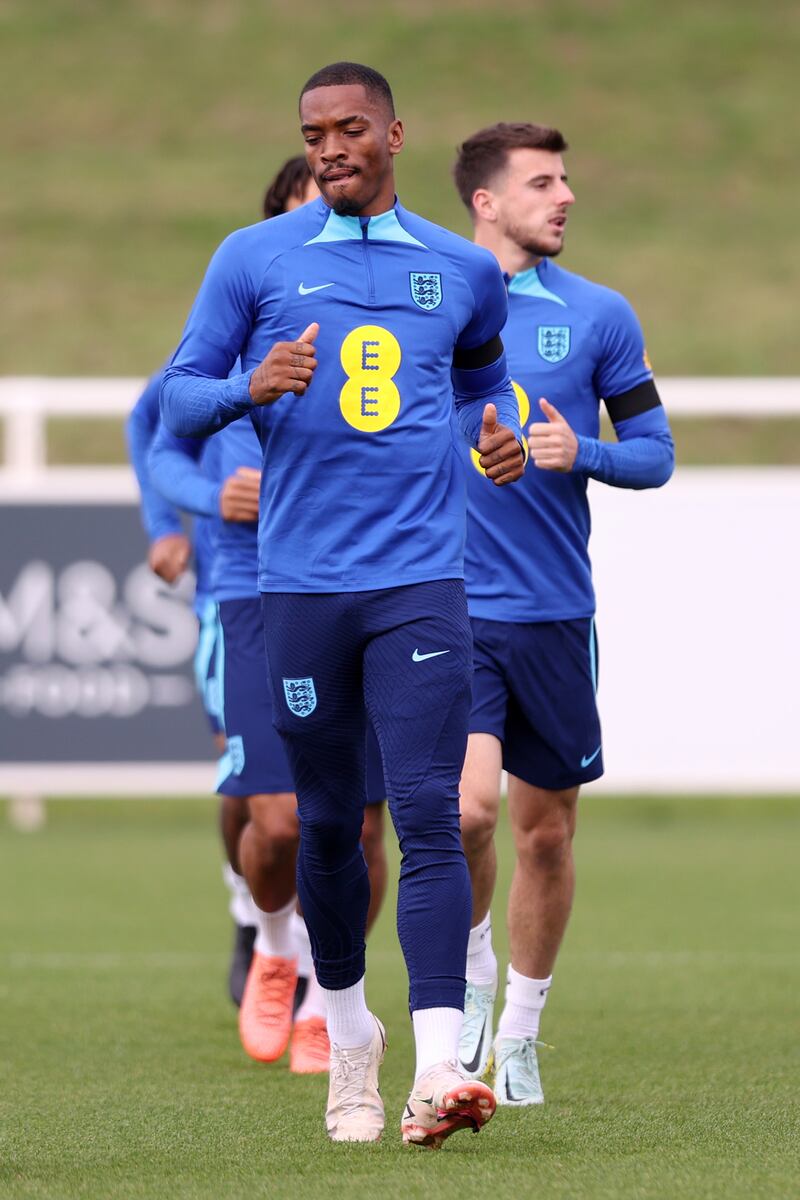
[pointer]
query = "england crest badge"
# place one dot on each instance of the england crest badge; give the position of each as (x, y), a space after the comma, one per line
(554, 342)
(426, 289)
(300, 695)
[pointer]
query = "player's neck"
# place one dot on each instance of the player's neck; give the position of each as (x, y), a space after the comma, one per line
(512, 257)
(382, 202)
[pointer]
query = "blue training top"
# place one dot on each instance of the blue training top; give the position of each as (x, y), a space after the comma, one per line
(573, 342)
(361, 484)
(160, 515)
(175, 467)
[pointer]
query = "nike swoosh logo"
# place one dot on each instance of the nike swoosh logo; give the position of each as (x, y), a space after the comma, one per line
(510, 1095)
(473, 1066)
(304, 291)
(586, 761)
(417, 657)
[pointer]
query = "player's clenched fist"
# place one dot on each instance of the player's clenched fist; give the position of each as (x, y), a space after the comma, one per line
(238, 499)
(552, 443)
(288, 367)
(169, 556)
(500, 453)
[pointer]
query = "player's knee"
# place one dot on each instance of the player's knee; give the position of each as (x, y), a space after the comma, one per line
(426, 813)
(478, 822)
(327, 834)
(275, 821)
(546, 845)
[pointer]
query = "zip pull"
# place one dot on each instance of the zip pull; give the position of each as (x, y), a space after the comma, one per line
(367, 259)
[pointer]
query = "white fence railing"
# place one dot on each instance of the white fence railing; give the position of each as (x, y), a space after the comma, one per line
(698, 588)
(27, 401)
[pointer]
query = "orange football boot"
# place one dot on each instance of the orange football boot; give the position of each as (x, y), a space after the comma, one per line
(265, 1017)
(310, 1051)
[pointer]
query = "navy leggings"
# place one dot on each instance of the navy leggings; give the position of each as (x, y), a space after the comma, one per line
(403, 655)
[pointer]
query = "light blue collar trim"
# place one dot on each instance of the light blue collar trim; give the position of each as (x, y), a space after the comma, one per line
(528, 283)
(338, 229)
(386, 228)
(383, 228)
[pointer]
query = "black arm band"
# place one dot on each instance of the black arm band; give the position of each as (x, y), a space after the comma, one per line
(638, 400)
(478, 356)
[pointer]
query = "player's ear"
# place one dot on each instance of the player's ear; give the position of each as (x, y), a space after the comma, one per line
(483, 204)
(395, 137)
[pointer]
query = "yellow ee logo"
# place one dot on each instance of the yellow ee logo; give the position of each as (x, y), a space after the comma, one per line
(524, 412)
(370, 357)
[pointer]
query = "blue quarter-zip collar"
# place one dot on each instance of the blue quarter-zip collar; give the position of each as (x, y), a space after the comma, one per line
(529, 283)
(383, 227)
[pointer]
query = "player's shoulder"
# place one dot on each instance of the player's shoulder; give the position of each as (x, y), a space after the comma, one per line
(474, 261)
(267, 239)
(604, 305)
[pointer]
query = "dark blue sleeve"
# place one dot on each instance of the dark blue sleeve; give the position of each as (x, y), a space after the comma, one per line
(197, 396)
(644, 457)
(159, 517)
(490, 383)
(176, 472)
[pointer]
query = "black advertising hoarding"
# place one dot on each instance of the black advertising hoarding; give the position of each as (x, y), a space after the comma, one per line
(95, 651)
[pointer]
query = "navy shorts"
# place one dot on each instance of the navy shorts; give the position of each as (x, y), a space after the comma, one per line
(255, 761)
(534, 687)
(205, 665)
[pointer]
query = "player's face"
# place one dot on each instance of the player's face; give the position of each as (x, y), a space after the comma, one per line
(532, 200)
(351, 141)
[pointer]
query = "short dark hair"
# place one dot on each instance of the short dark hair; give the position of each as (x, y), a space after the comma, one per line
(485, 154)
(290, 181)
(339, 73)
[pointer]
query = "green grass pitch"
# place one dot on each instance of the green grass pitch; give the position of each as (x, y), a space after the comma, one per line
(674, 1016)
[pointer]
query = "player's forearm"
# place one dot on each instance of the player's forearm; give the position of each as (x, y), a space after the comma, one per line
(180, 480)
(637, 462)
(161, 522)
(195, 405)
(159, 517)
(473, 390)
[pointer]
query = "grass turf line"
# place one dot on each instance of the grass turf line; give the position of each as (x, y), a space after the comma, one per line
(672, 1013)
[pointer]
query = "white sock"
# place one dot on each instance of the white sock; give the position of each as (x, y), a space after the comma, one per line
(436, 1035)
(481, 961)
(240, 905)
(302, 947)
(274, 936)
(525, 999)
(314, 1002)
(350, 1023)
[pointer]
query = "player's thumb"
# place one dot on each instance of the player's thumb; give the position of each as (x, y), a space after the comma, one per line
(552, 414)
(489, 422)
(309, 334)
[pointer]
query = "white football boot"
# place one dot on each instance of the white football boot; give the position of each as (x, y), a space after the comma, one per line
(355, 1107)
(442, 1101)
(516, 1080)
(475, 1045)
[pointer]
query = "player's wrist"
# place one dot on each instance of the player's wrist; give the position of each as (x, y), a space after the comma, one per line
(261, 392)
(163, 535)
(586, 453)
